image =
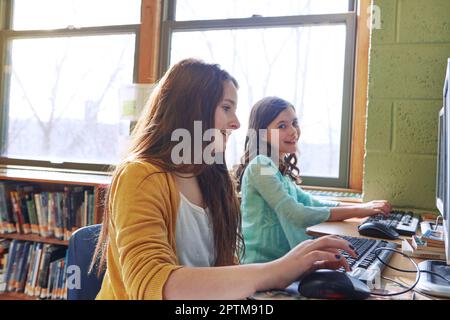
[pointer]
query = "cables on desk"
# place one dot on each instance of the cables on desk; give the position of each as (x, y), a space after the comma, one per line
(436, 223)
(417, 271)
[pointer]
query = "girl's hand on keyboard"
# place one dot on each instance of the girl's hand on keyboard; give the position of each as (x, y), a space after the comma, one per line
(311, 255)
(377, 207)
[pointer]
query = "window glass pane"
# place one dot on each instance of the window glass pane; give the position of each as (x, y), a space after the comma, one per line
(59, 14)
(64, 98)
(303, 65)
(220, 9)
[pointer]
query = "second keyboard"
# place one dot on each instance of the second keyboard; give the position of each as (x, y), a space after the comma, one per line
(405, 223)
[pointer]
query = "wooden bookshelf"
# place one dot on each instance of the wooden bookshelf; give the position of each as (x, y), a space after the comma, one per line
(53, 180)
(16, 296)
(33, 237)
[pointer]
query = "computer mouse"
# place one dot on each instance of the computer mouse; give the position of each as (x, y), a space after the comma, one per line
(332, 284)
(377, 230)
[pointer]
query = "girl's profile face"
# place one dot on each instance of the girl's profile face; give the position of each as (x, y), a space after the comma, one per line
(286, 124)
(225, 119)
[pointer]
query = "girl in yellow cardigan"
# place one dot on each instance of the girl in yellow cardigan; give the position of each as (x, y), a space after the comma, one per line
(172, 224)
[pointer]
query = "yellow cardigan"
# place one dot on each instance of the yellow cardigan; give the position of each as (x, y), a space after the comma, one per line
(142, 251)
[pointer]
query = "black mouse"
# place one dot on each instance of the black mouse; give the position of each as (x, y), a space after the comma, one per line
(377, 230)
(332, 284)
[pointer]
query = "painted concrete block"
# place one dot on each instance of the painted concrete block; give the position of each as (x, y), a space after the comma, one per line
(416, 126)
(404, 180)
(408, 71)
(387, 10)
(424, 21)
(378, 133)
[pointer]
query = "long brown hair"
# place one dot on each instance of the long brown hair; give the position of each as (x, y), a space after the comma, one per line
(189, 91)
(262, 114)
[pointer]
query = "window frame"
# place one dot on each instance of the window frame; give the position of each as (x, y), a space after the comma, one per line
(7, 34)
(149, 71)
(359, 112)
(170, 25)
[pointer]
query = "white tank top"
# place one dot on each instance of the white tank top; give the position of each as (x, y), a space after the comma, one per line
(194, 235)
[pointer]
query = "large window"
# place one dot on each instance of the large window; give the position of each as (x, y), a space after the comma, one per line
(65, 64)
(300, 50)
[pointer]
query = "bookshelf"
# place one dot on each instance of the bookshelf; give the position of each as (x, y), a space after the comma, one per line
(72, 199)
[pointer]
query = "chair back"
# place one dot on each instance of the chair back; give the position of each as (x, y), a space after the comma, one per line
(80, 252)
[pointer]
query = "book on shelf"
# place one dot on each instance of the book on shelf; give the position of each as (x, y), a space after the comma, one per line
(36, 269)
(408, 249)
(433, 238)
(24, 209)
(51, 254)
(421, 244)
(7, 224)
(31, 208)
(20, 196)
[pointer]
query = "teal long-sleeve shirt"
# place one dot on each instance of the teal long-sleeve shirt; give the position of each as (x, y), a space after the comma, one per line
(275, 211)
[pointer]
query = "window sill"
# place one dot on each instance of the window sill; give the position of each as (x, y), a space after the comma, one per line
(335, 194)
(52, 175)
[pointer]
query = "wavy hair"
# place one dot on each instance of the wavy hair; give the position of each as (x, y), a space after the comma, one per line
(262, 114)
(189, 91)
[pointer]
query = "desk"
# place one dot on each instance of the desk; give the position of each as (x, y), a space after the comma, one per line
(349, 228)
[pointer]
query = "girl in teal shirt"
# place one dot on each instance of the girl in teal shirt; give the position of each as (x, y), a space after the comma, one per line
(275, 210)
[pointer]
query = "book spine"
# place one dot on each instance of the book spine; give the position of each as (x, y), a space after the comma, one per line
(34, 286)
(85, 209)
(59, 225)
(15, 266)
(62, 294)
(32, 213)
(38, 205)
(30, 269)
(51, 278)
(10, 262)
(3, 263)
(55, 280)
(45, 212)
(91, 209)
(67, 214)
(23, 210)
(17, 212)
(3, 209)
(7, 210)
(51, 215)
(21, 279)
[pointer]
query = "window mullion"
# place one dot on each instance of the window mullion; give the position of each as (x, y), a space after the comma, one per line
(5, 12)
(348, 19)
(352, 5)
(91, 31)
(255, 22)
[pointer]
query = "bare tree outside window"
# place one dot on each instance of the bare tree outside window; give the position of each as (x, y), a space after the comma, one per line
(63, 92)
(303, 63)
(68, 108)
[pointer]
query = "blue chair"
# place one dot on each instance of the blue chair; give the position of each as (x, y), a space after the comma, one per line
(81, 249)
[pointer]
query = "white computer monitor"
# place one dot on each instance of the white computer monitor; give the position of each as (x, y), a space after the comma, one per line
(441, 164)
(444, 177)
(427, 283)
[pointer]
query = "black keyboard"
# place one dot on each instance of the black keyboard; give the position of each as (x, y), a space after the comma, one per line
(366, 267)
(403, 222)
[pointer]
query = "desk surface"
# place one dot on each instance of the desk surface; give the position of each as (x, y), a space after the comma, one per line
(342, 228)
(349, 228)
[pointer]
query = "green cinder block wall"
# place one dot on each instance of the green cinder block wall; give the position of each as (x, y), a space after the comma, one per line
(408, 58)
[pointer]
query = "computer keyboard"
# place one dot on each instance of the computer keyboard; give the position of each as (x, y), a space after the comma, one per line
(402, 222)
(366, 267)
